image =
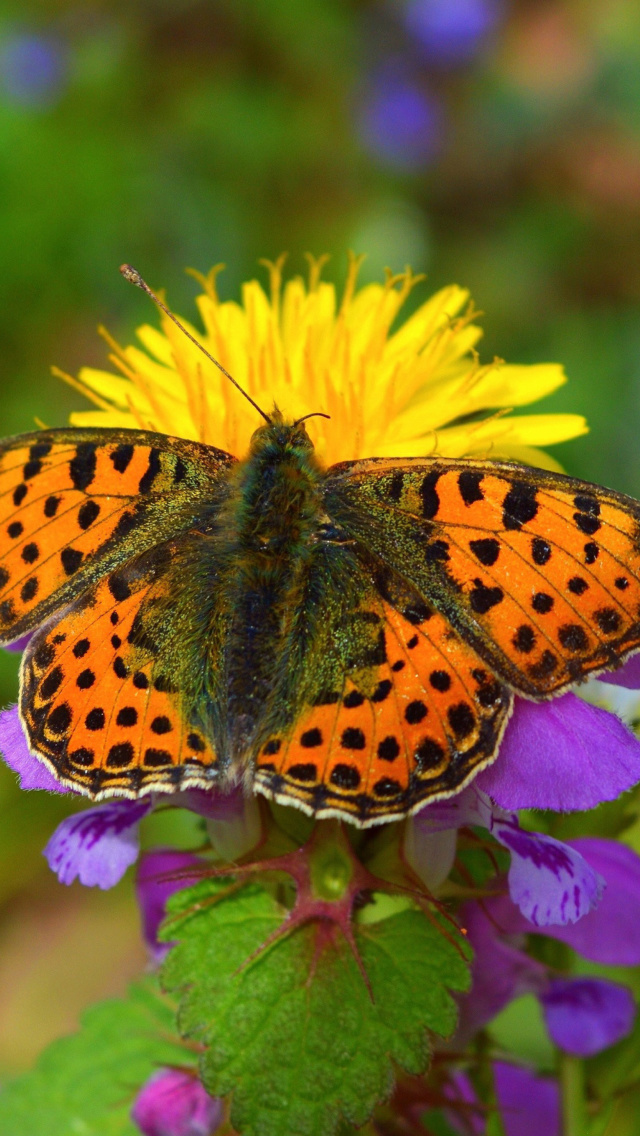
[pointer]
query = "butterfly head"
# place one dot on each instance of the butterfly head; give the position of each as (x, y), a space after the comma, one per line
(279, 437)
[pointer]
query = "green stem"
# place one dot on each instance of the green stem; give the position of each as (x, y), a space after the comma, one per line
(574, 1105)
(485, 1086)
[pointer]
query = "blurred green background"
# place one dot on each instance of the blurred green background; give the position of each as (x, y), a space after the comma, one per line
(494, 143)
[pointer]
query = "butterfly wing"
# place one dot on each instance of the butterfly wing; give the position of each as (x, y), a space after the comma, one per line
(108, 698)
(76, 503)
(475, 580)
(539, 572)
(94, 526)
(388, 706)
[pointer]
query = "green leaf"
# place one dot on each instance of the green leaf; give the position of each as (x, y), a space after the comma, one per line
(84, 1085)
(294, 1034)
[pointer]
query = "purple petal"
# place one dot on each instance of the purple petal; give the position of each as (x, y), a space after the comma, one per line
(401, 122)
(19, 645)
(468, 1116)
(98, 845)
(174, 1103)
(562, 755)
(628, 675)
(466, 808)
(213, 804)
(32, 772)
(499, 972)
(153, 891)
(450, 32)
(529, 1105)
(549, 881)
(585, 1015)
(611, 934)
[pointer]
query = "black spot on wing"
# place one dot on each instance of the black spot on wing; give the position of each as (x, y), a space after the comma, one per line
(345, 776)
(520, 505)
(542, 603)
(88, 513)
(82, 467)
(469, 486)
(573, 637)
(483, 598)
(395, 486)
(429, 495)
(121, 457)
(51, 506)
(486, 550)
(153, 469)
(71, 560)
(540, 550)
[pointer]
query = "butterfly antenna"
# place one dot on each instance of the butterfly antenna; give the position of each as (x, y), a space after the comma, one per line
(133, 276)
(314, 414)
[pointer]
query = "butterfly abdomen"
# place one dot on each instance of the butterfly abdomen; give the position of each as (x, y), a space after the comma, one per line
(272, 519)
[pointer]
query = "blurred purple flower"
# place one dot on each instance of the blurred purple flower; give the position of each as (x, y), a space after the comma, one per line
(587, 1015)
(174, 1103)
(400, 123)
(529, 1105)
(153, 890)
(450, 32)
(33, 68)
(19, 645)
(98, 845)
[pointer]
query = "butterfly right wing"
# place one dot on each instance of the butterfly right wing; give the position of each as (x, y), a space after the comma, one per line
(75, 503)
(381, 706)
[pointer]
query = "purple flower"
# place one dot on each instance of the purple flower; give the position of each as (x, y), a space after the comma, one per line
(587, 1015)
(450, 32)
(32, 772)
(562, 755)
(400, 122)
(154, 888)
(32, 68)
(529, 1105)
(628, 675)
(549, 881)
(98, 845)
(610, 934)
(580, 1012)
(174, 1103)
(500, 971)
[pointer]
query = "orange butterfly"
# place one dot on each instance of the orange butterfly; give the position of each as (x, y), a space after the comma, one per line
(348, 640)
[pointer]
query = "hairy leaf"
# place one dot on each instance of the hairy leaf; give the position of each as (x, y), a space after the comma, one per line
(84, 1085)
(292, 1031)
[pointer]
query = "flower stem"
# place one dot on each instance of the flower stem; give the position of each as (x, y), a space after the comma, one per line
(574, 1105)
(485, 1086)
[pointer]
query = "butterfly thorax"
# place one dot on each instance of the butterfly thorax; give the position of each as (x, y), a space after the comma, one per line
(272, 519)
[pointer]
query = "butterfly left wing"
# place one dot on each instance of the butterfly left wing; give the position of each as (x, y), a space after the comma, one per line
(110, 695)
(538, 572)
(74, 503)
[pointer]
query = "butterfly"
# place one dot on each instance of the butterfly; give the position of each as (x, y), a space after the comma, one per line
(346, 640)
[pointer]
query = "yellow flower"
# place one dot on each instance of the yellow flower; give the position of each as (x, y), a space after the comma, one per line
(416, 390)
